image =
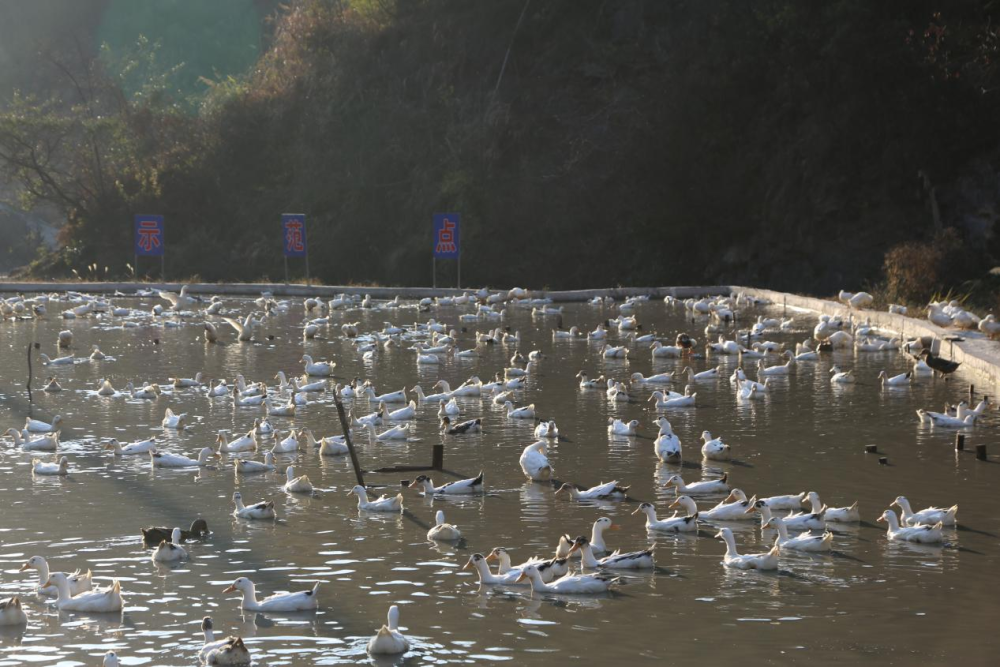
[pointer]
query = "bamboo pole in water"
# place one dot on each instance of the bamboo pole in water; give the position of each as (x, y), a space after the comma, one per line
(28, 384)
(347, 435)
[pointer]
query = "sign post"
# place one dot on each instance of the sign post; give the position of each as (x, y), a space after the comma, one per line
(149, 240)
(293, 234)
(447, 243)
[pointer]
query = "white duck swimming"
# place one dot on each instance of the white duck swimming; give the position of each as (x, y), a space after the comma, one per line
(635, 560)
(487, 578)
(945, 421)
(262, 510)
(399, 432)
(547, 430)
(672, 400)
(96, 601)
(78, 583)
(449, 409)
(11, 613)
(445, 532)
(710, 374)
(535, 462)
(133, 448)
(704, 487)
(618, 427)
(714, 449)
(390, 397)
(43, 443)
(926, 517)
(733, 559)
(249, 466)
(901, 380)
(245, 443)
(603, 491)
(922, 534)
(799, 521)
(172, 421)
(674, 524)
(290, 443)
(841, 377)
(184, 383)
(161, 460)
(578, 584)
(59, 467)
(805, 541)
(295, 484)
(172, 551)
(381, 504)
(229, 651)
(280, 602)
(667, 445)
(524, 412)
(317, 368)
(38, 426)
(389, 640)
(472, 485)
(733, 508)
(422, 397)
(834, 514)
(58, 361)
(660, 378)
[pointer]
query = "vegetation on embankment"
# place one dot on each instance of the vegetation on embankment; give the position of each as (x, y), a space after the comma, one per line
(780, 143)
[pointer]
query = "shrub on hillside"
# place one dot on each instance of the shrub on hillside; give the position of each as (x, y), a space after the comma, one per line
(916, 270)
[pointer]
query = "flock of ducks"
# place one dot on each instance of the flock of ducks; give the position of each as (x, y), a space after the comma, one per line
(432, 342)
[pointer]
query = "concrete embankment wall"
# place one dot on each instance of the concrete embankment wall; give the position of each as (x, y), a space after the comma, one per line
(975, 353)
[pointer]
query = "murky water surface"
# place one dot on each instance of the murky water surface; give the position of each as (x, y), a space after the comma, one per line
(870, 601)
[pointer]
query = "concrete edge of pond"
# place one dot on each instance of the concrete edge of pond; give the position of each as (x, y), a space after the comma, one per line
(975, 352)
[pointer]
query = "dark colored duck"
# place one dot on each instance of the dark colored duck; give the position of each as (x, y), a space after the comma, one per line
(152, 536)
(939, 364)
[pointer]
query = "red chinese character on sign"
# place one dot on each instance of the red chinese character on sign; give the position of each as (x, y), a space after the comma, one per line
(149, 235)
(293, 236)
(446, 237)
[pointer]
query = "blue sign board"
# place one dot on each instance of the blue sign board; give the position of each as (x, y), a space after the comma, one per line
(149, 235)
(293, 234)
(446, 235)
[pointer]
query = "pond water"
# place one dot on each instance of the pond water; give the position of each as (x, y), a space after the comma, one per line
(868, 601)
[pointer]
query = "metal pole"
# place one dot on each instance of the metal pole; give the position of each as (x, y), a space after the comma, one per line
(347, 435)
(28, 385)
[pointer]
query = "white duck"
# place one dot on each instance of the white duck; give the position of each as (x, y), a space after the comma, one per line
(524, 412)
(667, 445)
(44, 443)
(389, 640)
(60, 467)
(733, 559)
(733, 508)
(172, 551)
(161, 460)
(660, 378)
(289, 444)
(381, 504)
(38, 426)
(229, 651)
(714, 449)
(249, 466)
(535, 462)
(922, 534)
(841, 377)
(405, 413)
(472, 485)
(618, 427)
(805, 541)
(705, 487)
(422, 397)
(547, 430)
(578, 584)
(487, 578)
(172, 421)
(280, 602)
(11, 613)
(78, 583)
(674, 524)
(449, 409)
(317, 368)
(398, 432)
(901, 380)
(849, 514)
(262, 510)
(99, 601)
(295, 484)
(443, 531)
(390, 397)
(945, 421)
(926, 517)
(603, 491)
(635, 560)
(710, 374)
(245, 443)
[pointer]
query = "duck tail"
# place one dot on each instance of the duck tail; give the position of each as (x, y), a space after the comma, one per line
(116, 587)
(479, 479)
(952, 511)
(725, 478)
(775, 550)
(854, 506)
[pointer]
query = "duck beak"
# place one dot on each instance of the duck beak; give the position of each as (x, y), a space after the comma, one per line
(751, 510)
(490, 557)
(230, 589)
(636, 510)
(576, 547)
(521, 578)
(48, 583)
(614, 526)
(767, 525)
(674, 504)
(25, 567)
(881, 519)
